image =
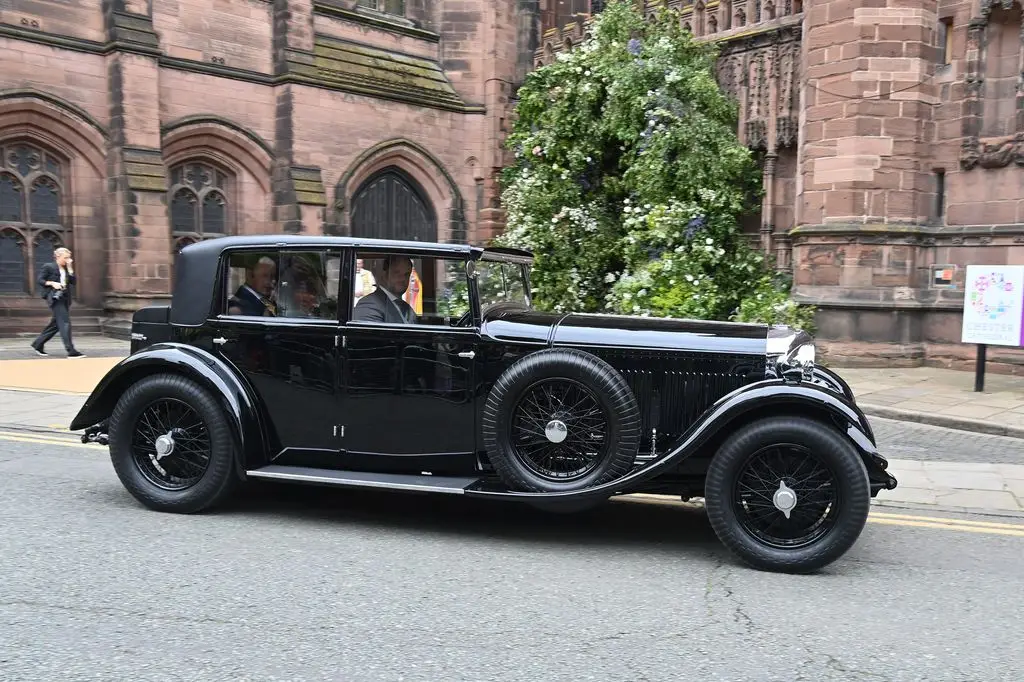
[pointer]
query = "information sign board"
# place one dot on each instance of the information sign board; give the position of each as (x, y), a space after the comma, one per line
(994, 305)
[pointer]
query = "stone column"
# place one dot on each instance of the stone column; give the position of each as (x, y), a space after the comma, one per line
(859, 246)
(139, 237)
(510, 37)
(295, 208)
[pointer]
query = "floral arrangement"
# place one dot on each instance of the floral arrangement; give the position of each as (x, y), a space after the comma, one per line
(629, 181)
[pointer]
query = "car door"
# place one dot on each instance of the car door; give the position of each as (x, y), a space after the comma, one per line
(288, 354)
(409, 388)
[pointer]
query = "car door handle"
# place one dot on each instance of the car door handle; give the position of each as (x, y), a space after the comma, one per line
(220, 340)
(467, 354)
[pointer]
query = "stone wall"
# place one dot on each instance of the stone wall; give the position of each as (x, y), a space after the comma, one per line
(273, 110)
(907, 167)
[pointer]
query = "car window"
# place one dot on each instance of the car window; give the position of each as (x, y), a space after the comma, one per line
(396, 288)
(501, 282)
(284, 283)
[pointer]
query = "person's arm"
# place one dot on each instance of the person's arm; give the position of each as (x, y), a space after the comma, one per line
(45, 281)
(70, 271)
(368, 310)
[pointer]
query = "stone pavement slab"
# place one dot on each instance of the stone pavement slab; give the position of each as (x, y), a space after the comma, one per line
(956, 486)
(60, 375)
(941, 397)
(93, 345)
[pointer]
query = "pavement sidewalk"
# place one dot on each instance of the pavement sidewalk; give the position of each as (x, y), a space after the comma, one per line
(43, 394)
(941, 397)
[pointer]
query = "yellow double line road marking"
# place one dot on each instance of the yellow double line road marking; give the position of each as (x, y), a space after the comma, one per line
(882, 518)
(991, 528)
(888, 519)
(43, 439)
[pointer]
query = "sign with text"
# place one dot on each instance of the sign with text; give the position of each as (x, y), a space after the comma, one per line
(994, 305)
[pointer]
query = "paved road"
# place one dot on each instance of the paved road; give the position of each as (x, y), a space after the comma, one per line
(296, 583)
(909, 440)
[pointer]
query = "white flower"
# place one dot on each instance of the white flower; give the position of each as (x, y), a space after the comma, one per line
(709, 241)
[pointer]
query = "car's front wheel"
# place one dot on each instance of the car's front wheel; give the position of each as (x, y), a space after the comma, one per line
(171, 445)
(787, 494)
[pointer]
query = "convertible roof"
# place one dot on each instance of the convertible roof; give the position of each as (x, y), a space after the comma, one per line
(195, 274)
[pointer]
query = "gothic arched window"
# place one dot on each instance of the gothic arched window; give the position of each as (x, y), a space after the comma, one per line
(32, 215)
(198, 203)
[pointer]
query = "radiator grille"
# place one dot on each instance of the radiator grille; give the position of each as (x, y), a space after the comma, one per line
(674, 391)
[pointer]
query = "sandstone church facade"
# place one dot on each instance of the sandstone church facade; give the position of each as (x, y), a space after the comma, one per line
(890, 133)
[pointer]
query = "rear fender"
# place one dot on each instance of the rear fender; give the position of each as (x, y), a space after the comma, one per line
(773, 397)
(207, 370)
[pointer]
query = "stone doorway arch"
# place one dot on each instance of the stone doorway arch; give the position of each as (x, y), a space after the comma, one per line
(390, 204)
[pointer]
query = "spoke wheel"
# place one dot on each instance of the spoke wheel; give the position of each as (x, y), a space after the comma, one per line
(561, 420)
(559, 429)
(786, 496)
(171, 444)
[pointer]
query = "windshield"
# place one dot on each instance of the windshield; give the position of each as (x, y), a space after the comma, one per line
(501, 282)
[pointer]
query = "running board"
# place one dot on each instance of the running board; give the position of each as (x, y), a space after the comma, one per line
(453, 485)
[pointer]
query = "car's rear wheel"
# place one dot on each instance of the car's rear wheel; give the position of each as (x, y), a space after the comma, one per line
(561, 420)
(787, 494)
(171, 445)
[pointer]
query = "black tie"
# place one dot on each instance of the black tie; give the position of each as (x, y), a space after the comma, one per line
(406, 309)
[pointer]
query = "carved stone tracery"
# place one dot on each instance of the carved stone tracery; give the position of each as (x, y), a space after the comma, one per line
(974, 151)
(762, 64)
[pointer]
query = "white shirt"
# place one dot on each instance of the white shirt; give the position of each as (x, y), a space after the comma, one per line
(63, 275)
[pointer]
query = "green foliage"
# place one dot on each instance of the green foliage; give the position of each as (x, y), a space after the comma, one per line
(629, 180)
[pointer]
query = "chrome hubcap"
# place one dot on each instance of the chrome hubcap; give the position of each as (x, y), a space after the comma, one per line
(556, 431)
(164, 445)
(784, 499)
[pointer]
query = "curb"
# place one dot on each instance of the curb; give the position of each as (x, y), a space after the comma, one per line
(949, 509)
(943, 420)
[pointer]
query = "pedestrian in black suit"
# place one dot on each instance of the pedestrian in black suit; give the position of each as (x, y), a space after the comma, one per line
(57, 280)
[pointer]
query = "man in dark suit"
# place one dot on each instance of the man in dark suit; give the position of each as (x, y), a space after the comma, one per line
(255, 297)
(57, 280)
(385, 304)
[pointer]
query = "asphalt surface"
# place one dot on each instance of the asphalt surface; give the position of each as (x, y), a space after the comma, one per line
(910, 440)
(297, 583)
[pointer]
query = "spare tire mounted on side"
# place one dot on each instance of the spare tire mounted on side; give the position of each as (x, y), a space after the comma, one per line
(560, 420)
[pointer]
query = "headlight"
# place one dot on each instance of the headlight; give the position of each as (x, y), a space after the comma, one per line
(798, 363)
(791, 354)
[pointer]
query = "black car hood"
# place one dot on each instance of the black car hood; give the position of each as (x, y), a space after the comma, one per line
(620, 331)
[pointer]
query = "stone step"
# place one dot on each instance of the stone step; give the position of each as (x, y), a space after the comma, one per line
(28, 326)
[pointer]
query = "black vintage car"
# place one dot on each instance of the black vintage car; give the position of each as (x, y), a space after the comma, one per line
(421, 367)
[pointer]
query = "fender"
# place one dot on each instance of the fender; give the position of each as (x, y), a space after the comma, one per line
(724, 414)
(197, 364)
(830, 380)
